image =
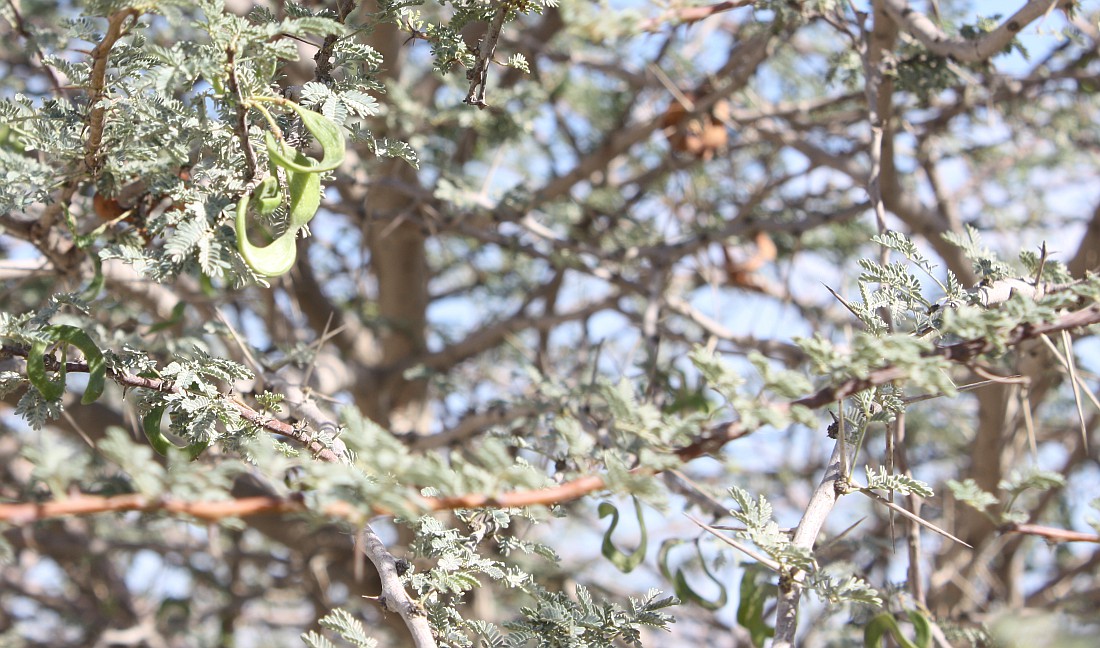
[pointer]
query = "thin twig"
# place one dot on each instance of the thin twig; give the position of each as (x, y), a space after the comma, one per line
(241, 127)
(921, 521)
(479, 74)
(1067, 361)
(686, 15)
(25, 32)
(912, 535)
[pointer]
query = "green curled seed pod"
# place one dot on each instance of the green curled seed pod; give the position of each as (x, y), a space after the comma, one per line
(53, 389)
(150, 424)
(327, 134)
(267, 195)
(272, 260)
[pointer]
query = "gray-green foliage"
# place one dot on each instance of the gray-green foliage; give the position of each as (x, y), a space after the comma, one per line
(900, 484)
(1019, 483)
(561, 621)
(764, 532)
(193, 124)
(174, 158)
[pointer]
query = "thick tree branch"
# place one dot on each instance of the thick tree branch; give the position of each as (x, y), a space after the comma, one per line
(805, 536)
(962, 49)
(686, 15)
(394, 597)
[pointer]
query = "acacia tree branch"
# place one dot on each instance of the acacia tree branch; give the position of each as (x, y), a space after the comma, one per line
(478, 75)
(24, 31)
(742, 64)
(1053, 591)
(960, 352)
(317, 446)
(1088, 251)
(966, 50)
(356, 342)
(805, 535)
(241, 125)
(687, 15)
(880, 108)
(711, 441)
(492, 335)
(323, 58)
(97, 84)
(472, 425)
(922, 220)
(394, 597)
(1052, 534)
(209, 511)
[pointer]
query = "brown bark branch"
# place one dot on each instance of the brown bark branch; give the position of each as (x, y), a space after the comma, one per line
(23, 30)
(97, 84)
(966, 50)
(1052, 534)
(687, 15)
(713, 440)
(264, 421)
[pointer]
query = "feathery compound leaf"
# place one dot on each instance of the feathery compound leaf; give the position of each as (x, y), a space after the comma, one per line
(753, 514)
(851, 589)
(1031, 479)
(720, 375)
(968, 492)
(349, 628)
(902, 484)
(314, 640)
(360, 103)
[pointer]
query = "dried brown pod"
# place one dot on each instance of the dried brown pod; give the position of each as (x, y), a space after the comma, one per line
(107, 209)
(700, 136)
(742, 272)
